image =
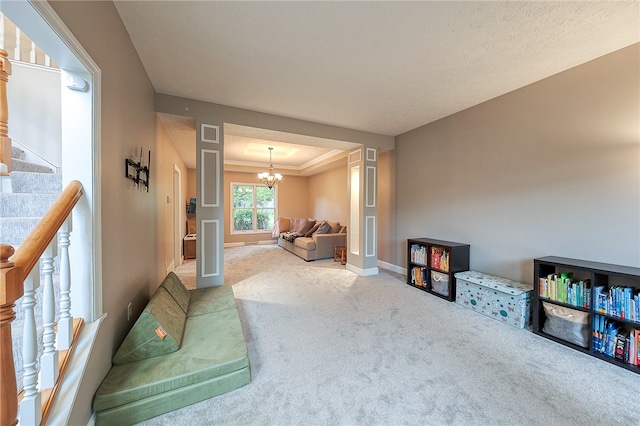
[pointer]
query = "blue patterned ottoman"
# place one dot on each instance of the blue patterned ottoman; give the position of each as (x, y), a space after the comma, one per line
(498, 298)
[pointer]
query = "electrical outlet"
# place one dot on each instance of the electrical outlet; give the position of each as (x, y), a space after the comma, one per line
(129, 312)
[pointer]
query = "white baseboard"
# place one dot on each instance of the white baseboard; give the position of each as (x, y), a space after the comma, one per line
(240, 244)
(360, 271)
(392, 267)
(265, 242)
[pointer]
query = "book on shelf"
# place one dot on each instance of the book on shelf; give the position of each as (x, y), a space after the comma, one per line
(419, 276)
(618, 301)
(611, 339)
(562, 288)
(419, 254)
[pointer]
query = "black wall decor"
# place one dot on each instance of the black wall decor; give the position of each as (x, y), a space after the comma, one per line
(134, 170)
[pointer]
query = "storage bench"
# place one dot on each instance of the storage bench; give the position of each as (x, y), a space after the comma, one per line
(498, 298)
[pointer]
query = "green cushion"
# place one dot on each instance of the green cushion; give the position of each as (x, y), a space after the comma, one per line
(210, 299)
(157, 331)
(213, 346)
(146, 408)
(177, 290)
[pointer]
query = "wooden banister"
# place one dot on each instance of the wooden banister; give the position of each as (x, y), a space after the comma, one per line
(5, 142)
(14, 268)
(38, 240)
(9, 293)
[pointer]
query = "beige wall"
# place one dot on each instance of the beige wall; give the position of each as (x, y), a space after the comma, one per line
(191, 185)
(549, 169)
(128, 215)
(166, 158)
(328, 196)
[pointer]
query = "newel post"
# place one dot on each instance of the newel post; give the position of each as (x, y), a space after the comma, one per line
(11, 289)
(5, 142)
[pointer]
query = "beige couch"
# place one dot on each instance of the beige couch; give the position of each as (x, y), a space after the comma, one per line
(313, 239)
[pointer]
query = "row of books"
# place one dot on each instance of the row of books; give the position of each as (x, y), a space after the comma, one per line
(622, 302)
(562, 288)
(438, 257)
(419, 254)
(611, 339)
(419, 276)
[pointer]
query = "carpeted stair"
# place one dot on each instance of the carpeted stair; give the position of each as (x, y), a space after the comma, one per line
(33, 194)
(34, 189)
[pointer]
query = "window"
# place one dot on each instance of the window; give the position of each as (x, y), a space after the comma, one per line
(253, 208)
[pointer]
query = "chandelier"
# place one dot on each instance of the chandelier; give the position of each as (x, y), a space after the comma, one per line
(269, 178)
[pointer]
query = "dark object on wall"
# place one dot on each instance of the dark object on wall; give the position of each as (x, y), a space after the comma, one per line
(136, 172)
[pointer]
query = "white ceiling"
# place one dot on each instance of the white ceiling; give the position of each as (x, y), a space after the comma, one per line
(383, 67)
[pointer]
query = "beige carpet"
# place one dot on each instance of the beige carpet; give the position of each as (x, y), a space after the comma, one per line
(328, 347)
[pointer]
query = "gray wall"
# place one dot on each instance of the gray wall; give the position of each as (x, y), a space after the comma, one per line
(549, 169)
(128, 215)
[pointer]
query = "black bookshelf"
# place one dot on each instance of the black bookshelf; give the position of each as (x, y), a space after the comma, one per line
(431, 265)
(603, 275)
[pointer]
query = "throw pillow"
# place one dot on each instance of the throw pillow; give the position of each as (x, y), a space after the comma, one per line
(281, 225)
(313, 229)
(335, 227)
(297, 224)
(342, 230)
(323, 228)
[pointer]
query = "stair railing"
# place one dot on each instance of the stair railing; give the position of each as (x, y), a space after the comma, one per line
(15, 267)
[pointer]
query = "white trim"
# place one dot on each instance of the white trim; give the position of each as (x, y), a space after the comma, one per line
(178, 208)
(70, 384)
(373, 153)
(363, 272)
(63, 41)
(369, 232)
(392, 267)
(203, 254)
(204, 126)
(204, 184)
(240, 244)
(370, 189)
(355, 156)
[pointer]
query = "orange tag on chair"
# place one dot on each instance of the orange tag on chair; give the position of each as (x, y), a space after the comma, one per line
(160, 332)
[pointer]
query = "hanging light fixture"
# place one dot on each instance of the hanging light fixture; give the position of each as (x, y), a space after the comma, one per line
(269, 178)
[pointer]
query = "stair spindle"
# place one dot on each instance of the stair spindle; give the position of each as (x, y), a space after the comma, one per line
(65, 324)
(30, 406)
(49, 367)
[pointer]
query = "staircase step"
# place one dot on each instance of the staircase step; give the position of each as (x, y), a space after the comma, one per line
(25, 205)
(25, 166)
(17, 153)
(14, 230)
(41, 183)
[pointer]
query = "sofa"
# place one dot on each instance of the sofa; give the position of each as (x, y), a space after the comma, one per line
(186, 346)
(309, 239)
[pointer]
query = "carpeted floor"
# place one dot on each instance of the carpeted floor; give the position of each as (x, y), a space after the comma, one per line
(328, 347)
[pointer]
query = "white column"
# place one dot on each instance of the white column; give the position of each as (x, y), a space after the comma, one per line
(30, 406)
(49, 362)
(2, 33)
(17, 54)
(65, 323)
(32, 53)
